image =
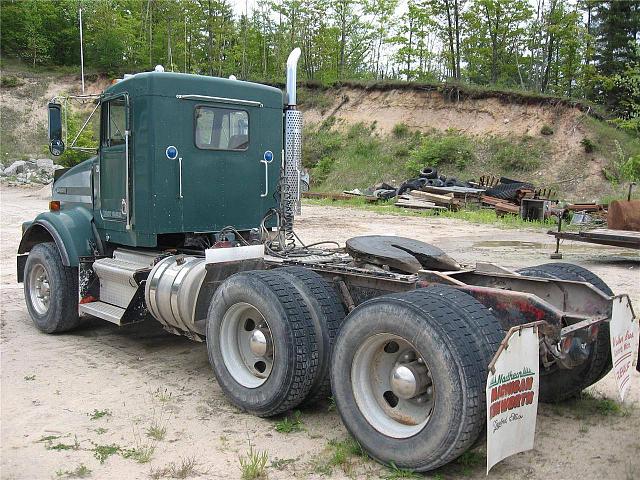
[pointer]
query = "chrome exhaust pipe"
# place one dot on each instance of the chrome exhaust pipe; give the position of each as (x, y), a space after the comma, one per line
(290, 190)
(292, 74)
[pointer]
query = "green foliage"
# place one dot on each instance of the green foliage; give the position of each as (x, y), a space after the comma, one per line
(546, 130)
(81, 471)
(400, 130)
(523, 154)
(97, 414)
(451, 149)
(290, 424)
(396, 473)
(254, 464)
(588, 144)
(186, 469)
(10, 81)
(73, 121)
(623, 167)
(630, 169)
(102, 452)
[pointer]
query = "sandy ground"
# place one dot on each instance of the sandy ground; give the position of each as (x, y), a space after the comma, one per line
(141, 376)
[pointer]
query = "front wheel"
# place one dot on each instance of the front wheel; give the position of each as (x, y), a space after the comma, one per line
(50, 290)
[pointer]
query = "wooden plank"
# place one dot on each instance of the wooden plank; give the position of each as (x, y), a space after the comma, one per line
(330, 196)
(434, 197)
(418, 205)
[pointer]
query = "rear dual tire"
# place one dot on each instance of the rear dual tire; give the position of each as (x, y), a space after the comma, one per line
(270, 336)
(557, 384)
(425, 418)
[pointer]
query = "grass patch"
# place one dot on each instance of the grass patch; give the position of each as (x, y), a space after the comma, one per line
(588, 406)
(451, 149)
(395, 473)
(478, 216)
(50, 443)
(97, 414)
(102, 452)
(344, 453)
(156, 431)
(10, 81)
(81, 471)
(140, 454)
(253, 465)
(471, 460)
(523, 154)
(185, 469)
(290, 424)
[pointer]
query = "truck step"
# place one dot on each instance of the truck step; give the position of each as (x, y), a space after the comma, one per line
(117, 284)
(108, 312)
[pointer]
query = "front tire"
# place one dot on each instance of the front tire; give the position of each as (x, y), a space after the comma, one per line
(50, 290)
(408, 376)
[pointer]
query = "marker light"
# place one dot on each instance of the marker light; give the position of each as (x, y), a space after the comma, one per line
(54, 205)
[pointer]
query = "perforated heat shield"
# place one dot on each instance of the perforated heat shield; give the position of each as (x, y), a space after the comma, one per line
(292, 162)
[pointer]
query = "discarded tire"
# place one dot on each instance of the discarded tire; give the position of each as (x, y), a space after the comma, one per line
(558, 384)
(429, 172)
(262, 342)
(507, 191)
(327, 314)
(50, 290)
(394, 356)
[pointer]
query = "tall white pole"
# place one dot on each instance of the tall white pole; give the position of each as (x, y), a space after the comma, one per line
(81, 52)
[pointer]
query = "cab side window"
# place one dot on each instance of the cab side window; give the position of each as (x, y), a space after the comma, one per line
(114, 122)
(221, 128)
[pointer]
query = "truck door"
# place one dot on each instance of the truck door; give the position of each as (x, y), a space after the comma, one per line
(223, 179)
(115, 199)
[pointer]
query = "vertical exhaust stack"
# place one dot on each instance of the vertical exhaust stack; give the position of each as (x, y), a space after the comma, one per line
(290, 192)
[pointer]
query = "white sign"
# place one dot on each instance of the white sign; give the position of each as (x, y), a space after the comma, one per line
(512, 397)
(623, 331)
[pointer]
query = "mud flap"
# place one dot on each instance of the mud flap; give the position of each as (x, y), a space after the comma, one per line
(623, 332)
(512, 394)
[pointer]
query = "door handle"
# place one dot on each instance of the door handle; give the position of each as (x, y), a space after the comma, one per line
(180, 177)
(266, 178)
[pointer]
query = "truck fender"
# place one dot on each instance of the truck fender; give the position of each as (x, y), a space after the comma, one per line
(70, 229)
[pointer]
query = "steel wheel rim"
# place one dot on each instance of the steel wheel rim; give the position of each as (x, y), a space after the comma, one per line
(246, 345)
(379, 387)
(39, 289)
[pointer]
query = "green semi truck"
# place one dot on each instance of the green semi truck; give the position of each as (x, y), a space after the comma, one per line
(185, 216)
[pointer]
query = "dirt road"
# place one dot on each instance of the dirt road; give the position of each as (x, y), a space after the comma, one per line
(99, 392)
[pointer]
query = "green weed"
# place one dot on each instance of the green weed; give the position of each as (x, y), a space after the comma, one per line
(81, 471)
(141, 453)
(395, 473)
(546, 130)
(102, 452)
(470, 460)
(156, 431)
(29, 378)
(452, 149)
(253, 465)
(97, 414)
(185, 469)
(400, 130)
(290, 424)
